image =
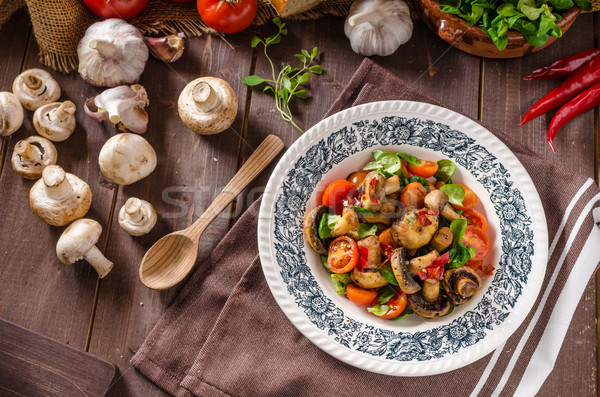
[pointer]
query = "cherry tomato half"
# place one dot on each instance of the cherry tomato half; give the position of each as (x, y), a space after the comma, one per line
(357, 177)
(342, 255)
(228, 16)
(386, 237)
(413, 195)
(476, 238)
(475, 219)
(396, 305)
(124, 9)
(336, 192)
(426, 169)
(360, 296)
(470, 199)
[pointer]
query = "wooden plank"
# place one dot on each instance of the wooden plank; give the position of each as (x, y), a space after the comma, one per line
(191, 171)
(506, 98)
(38, 292)
(33, 365)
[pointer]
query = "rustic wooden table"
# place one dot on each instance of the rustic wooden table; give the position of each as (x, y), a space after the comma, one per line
(111, 317)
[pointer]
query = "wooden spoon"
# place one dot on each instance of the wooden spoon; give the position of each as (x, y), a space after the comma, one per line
(172, 257)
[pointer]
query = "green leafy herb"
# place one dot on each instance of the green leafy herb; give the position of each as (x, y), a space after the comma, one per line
(366, 229)
(457, 227)
(403, 179)
(378, 309)
(386, 271)
(385, 162)
(421, 180)
(459, 255)
(445, 170)
(340, 281)
(363, 211)
(286, 84)
(455, 193)
(385, 294)
(327, 224)
(324, 262)
(412, 160)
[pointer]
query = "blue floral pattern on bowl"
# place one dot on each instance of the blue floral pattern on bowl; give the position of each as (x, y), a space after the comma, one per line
(515, 226)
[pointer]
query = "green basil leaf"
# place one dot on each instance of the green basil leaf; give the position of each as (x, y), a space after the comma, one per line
(446, 169)
(421, 180)
(385, 294)
(366, 229)
(412, 160)
(378, 310)
(252, 80)
(403, 179)
(377, 154)
(363, 211)
(327, 224)
(372, 166)
(386, 271)
(340, 281)
(455, 193)
(584, 5)
(457, 227)
(324, 262)
(459, 255)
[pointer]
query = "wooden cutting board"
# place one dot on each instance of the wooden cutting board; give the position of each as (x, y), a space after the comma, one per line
(33, 365)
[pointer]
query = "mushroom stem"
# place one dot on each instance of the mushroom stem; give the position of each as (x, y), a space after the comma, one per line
(106, 49)
(449, 214)
(59, 114)
(133, 208)
(431, 290)
(56, 183)
(95, 258)
(466, 287)
(34, 83)
(28, 152)
(205, 97)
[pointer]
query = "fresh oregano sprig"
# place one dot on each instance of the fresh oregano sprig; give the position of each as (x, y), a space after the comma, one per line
(286, 84)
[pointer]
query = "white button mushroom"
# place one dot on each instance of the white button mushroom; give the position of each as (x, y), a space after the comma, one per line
(35, 87)
(32, 155)
(126, 158)
(55, 121)
(123, 106)
(11, 113)
(59, 198)
(137, 217)
(78, 241)
(207, 105)
(112, 53)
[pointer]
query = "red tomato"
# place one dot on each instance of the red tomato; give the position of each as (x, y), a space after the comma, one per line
(413, 195)
(228, 16)
(476, 238)
(360, 296)
(357, 178)
(475, 219)
(470, 199)
(426, 169)
(123, 9)
(336, 192)
(396, 305)
(342, 255)
(386, 237)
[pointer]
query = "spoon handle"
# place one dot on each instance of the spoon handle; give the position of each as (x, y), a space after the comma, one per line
(257, 162)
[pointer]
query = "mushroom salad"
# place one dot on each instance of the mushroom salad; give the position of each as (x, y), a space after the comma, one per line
(398, 243)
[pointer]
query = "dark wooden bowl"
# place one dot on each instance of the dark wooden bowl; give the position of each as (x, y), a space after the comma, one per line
(470, 39)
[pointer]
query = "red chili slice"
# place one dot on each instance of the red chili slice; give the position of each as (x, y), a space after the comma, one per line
(362, 261)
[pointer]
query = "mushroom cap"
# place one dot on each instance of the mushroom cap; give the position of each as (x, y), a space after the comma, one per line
(55, 130)
(32, 100)
(59, 211)
(77, 240)
(44, 155)
(405, 281)
(137, 208)
(429, 309)
(214, 120)
(408, 231)
(311, 229)
(126, 158)
(124, 66)
(471, 283)
(11, 113)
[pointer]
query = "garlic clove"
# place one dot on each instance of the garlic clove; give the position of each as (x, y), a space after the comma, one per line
(123, 106)
(169, 48)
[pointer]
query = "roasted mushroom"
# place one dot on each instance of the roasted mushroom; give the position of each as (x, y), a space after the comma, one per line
(55, 121)
(35, 87)
(421, 262)
(32, 155)
(348, 223)
(408, 231)
(438, 200)
(405, 281)
(11, 113)
(430, 302)
(441, 239)
(461, 283)
(370, 277)
(311, 229)
(371, 191)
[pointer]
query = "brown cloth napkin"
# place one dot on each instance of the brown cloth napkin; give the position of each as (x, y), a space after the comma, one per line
(225, 335)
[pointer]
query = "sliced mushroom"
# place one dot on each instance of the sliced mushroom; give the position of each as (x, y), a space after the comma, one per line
(441, 239)
(311, 229)
(207, 105)
(371, 191)
(408, 231)
(126, 158)
(78, 241)
(122, 106)
(405, 281)
(137, 217)
(55, 121)
(370, 277)
(392, 185)
(32, 155)
(438, 200)
(348, 223)
(35, 87)
(59, 198)
(461, 284)
(11, 113)
(426, 309)
(421, 262)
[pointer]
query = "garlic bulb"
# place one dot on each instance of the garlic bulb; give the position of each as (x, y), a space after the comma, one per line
(112, 53)
(123, 106)
(378, 27)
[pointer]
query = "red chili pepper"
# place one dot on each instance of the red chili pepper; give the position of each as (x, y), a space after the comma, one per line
(441, 260)
(364, 256)
(583, 78)
(583, 102)
(487, 270)
(563, 67)
(435, 272)
(423, 220)
(386, 249)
